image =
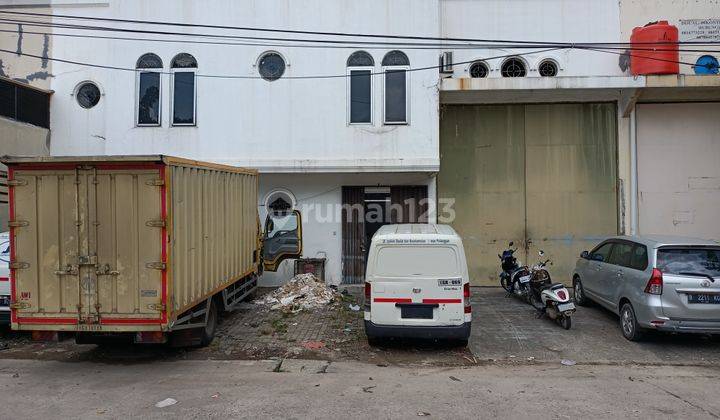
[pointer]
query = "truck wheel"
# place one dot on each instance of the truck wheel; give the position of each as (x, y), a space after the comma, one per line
(208, 332)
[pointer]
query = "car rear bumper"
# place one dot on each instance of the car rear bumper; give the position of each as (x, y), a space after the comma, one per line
(690, 326)
(445, 332)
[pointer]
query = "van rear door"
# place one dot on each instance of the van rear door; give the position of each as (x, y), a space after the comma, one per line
(418, 285)
(691, 282)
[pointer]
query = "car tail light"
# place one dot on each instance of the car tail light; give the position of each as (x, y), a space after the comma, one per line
(368, 295)
(561, 294)
(466, 298)
(655, 284)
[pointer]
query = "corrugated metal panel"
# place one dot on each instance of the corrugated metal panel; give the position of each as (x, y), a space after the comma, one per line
(214, 226)
(353, 235)
(542, 176)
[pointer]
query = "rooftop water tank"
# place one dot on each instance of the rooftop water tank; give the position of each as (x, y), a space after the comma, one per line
(655, 49)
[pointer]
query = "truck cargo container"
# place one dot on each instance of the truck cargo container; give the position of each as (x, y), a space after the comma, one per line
(149, 248)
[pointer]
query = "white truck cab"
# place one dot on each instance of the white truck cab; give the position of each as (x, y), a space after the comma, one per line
(417, 284)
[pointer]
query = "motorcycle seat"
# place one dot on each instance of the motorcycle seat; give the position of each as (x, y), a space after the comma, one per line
(553, 286)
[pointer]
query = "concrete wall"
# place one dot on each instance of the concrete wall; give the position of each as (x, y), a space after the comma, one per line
(18, 39)
(544, 21)
(640, 12)
(275, 126)
(319, 197)
(20, 139)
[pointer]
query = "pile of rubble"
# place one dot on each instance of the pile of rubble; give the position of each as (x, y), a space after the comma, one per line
(302, 292)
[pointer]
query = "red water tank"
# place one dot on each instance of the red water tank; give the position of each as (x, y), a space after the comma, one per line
(655, 49)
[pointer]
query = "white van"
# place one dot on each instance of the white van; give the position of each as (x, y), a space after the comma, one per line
(416, 284)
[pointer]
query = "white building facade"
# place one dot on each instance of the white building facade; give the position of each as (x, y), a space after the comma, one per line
(476, 145)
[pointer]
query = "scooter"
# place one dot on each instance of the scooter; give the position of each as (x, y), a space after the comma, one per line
(514, 278)
(551, 299)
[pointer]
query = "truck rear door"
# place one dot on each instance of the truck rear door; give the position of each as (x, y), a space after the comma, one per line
(88, 245)
(416, 286)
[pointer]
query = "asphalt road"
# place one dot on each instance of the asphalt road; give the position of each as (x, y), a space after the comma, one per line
(295, 389)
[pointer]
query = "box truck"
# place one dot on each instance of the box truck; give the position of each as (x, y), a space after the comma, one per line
(148, 248)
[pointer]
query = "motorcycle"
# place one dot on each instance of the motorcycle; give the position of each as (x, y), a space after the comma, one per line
(514, 278)
(551, 299)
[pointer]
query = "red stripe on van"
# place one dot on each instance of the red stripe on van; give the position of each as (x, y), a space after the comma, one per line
(4, 278)
(393, 300)
(442, 300)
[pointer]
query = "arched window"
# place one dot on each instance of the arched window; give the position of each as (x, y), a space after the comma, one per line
(396, 82)
(513, 67)
(148, 107)
(360, 68)
(548, 68)
(479, 70)
(184, 94)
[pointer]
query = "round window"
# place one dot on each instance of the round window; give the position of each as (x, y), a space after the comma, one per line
(271, 66)
(478, 70)
(88, 95)
(513, 67)
(548, 68)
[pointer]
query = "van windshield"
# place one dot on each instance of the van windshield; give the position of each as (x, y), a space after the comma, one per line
(689, 260)
(430, 261)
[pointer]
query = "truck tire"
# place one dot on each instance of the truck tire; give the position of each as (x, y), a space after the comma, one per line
(208, 333)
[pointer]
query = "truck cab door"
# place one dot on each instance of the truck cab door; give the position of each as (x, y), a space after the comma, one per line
(282, 238)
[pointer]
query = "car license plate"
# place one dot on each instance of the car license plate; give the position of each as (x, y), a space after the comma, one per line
(524, 279)
(703, 298)
(566, 307)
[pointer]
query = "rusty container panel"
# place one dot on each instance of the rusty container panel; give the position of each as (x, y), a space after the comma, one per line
(214, 232)
(482, 152)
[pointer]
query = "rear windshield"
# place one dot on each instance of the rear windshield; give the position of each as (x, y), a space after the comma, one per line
(689, 261)
(431, 261)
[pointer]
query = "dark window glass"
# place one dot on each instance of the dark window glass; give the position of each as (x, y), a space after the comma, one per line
(360, 59)
(513, 67)
(88, 95)
(7, 99)
(360, 92)
(149, 61)
(183, 61)
(602, 252)
(621, 254)
(639, 260)
(395, 96)
(478, 70)
(395, 58)
(33, 107)
(184, 98)
(548, 69)
(271, 66)
(5, 251)
(689, 260)
(149, 99)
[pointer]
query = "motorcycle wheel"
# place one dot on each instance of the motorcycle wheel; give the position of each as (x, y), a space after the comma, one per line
(505, 283)
(565, 322)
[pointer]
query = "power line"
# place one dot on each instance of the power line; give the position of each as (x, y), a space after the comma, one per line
(336, 34)
(212, 76)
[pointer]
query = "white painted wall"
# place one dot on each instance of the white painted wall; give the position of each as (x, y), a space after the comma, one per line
(533, 20)
(322, 233)
(296, 124)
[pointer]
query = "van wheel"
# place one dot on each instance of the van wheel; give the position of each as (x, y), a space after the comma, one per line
(208, 333)
(579, 293)
(628, 323)
(462, 342)
(373, 341)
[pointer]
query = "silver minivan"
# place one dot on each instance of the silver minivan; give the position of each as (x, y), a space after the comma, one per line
(662, 283)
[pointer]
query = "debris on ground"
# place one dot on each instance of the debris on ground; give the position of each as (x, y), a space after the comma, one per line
(354, 308)
(568, 362)
(423, 413)
(368, 389)
(313, 345)
(167, 402)
(455, 379)
(302, 292)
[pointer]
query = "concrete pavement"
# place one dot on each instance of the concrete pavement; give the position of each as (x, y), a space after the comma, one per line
(295, 389)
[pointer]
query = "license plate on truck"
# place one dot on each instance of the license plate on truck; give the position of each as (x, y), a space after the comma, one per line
(704, 298)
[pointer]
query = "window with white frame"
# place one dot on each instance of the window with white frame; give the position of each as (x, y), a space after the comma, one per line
(149, 67)
(395, 87)
(360, 67)
(184, 89)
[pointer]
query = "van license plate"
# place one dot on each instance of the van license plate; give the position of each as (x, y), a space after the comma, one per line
(703, 298)
(416, 312)
(449, 282)
(524, 279)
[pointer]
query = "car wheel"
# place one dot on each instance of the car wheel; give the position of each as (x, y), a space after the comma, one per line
(628, 323)
(579, 293)
(208, 333)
